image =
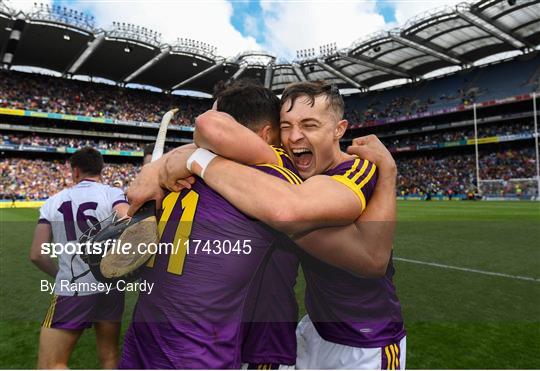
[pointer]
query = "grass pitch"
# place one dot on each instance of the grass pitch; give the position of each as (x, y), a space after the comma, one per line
(468, 276)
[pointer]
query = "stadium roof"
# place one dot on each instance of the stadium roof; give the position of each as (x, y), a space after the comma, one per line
(68, 42)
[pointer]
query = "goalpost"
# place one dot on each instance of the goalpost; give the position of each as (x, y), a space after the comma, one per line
(524, 188)
(509, 189)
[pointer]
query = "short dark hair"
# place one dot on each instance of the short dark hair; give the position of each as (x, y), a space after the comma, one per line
(88, 160)
(250, 103)
(312, 90)
(149, 149)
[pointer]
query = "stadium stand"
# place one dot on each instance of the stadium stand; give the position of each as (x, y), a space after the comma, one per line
(427, 122)
(478, 85)
(36, 179)
(49, 94)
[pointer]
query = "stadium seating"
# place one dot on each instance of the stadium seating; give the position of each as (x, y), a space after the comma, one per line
(52, 94)
(39, 179)
(466, 87)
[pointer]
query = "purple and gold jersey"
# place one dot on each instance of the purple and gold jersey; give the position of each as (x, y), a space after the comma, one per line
(272, 311)
(194, 318)
(344, 308)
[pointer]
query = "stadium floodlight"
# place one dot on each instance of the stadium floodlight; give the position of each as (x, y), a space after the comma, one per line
(62, 15)
(134, 32)
(190, 46)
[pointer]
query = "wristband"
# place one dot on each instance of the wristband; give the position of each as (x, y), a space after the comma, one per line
(203, 157)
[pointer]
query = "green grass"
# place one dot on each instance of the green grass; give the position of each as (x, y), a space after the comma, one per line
(454, 319)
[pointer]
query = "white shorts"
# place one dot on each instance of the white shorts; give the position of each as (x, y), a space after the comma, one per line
(316, 353)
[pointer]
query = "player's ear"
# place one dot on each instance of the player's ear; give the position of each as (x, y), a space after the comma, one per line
(340, 128)
(266, 133)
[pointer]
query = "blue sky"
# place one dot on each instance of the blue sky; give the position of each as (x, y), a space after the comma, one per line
(278, 26)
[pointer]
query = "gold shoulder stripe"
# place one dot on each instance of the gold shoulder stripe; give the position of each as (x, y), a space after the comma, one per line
(278, 155)
(361, 172)
(353, 187)
(280, 170)
(353, 168)
(293, 175)
(368, 177)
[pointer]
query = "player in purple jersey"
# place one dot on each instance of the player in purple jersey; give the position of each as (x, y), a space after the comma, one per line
(260, 346)
(78, 302)
(195, 316)
(365, 329)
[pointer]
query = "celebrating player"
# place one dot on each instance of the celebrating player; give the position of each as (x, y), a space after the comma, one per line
(204, 286)
(356, 322)
(63, 218)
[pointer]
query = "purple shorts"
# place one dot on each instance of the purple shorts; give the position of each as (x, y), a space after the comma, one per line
(80, 312)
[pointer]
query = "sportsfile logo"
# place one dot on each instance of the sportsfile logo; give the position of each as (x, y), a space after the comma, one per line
(117, 247)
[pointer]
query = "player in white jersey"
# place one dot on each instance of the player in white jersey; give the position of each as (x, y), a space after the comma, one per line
(78, 301)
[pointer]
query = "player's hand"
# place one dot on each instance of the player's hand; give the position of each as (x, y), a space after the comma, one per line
(370, 148)
(174, 174)
(145, 187)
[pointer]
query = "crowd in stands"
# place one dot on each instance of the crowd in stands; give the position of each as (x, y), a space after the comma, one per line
(478, 85)
(406, 105)
(36, 140)
(26, 179)
(456, 174)
(433, 138)
(52, 94)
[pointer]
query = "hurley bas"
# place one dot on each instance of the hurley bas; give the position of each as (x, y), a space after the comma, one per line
(68, 288)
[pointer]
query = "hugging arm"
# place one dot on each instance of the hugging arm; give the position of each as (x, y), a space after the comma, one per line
(363, 248)
(220, 133)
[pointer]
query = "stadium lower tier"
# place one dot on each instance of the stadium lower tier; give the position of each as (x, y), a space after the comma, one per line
(445, 174)
(436, 175)
(35, 179)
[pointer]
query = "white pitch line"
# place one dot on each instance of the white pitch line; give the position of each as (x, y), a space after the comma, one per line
(523, 278)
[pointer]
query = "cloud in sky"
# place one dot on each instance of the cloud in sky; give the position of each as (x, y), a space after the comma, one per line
(290, 26)
(281, 27)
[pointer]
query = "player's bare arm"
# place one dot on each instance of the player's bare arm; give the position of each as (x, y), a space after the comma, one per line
(220, 133)
(365, 247)
(43, 234)
(293, 209)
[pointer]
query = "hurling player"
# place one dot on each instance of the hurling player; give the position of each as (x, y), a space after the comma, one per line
(196, 316)
(62, 219)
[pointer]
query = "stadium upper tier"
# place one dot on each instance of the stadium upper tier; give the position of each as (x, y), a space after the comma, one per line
(68, 42)
(496, 81)
(34, 92)
(50, 94)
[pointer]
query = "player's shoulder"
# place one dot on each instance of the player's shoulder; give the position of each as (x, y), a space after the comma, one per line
(280, 172)
(58, 197)
(353, 169)
(281, 155)
(358, 175)
(284, 160)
